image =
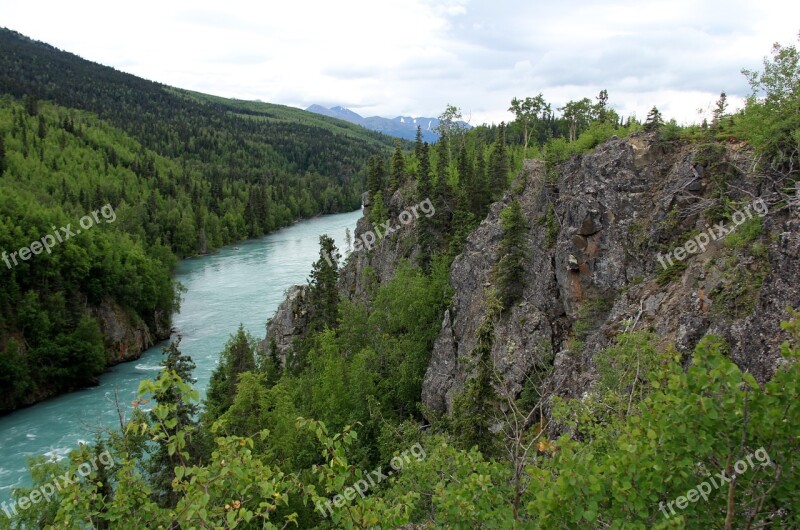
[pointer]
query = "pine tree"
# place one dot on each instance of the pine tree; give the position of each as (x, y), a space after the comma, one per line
(161, 464)
(42, 131)
(424, 228)
(498, 165)
(418, 144)
(2, 155)
(271, 364)
(654, 120)
(376, 175)
(397, 177)
(473, 410)
(237, 357)
(481, 182)
(510, 270)
(719, 110)
(324, 296)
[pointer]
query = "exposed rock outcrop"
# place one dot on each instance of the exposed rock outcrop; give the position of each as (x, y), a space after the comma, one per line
(614, 211)
(599, 228)
(289, 323)
(126, 335)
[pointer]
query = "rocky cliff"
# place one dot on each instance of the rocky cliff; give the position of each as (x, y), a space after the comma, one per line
(600, 226)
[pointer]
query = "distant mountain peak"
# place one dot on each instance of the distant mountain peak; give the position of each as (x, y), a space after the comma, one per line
(400, 126)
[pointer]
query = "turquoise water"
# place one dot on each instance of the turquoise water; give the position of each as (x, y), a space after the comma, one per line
(233, 286)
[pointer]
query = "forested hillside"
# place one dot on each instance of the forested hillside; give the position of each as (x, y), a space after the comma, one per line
(185, 173)
(517, 359)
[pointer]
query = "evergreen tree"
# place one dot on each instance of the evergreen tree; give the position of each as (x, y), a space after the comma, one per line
(237, 357)
(654, 120)
(161, 464)
(424, 228)
(498, 165)
(42, 131)
(481, 182)
(510, 270)
(398, 168)
(418, 144)
(473, 410)
(2, 155)
(376, 175)
(324, 297)
(719, 110)
(271, 364)
(601, 107)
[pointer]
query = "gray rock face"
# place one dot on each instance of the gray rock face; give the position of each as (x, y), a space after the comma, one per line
(616, 209)
(289, 322)
(367, 267)
(126, 336)
(592, 270)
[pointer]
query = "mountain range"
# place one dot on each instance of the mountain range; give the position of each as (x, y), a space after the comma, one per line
(401, 126)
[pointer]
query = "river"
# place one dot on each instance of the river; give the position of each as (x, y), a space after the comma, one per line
(243, 284)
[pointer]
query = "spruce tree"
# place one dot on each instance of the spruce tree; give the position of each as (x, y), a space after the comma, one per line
(442, 194)
(481, 182)
(498, 165)
(473, 410)
(398, 168)
(510, 270)
(418, 144)
(2, 155)
(424, 228)
(376, 175)
(237, 357)
(324, 296)
(654, 120)
(161, 464)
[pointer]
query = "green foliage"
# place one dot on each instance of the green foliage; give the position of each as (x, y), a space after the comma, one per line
(745, 234)
(474, 409)
(550, 224)
(237, 358)
(323, 295)
(673, 272)
(378, 213)
(684, 427)
(770, 121)
(654, 121)
(510, 269)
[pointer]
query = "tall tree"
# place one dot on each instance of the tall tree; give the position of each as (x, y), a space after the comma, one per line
(498, 164)
(397, 177)
(418, 144)
(376, 175)
(481, 182)
(474, 409)
(578, 115)
(527, 113)
(237, 357)
(161, 464)
(654, 120)
(324, 297)
(601, 107)
(719, 110)
(510, 270)
(2, 155)
(424, 228)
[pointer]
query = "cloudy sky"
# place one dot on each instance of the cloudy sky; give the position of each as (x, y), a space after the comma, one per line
(412, 57)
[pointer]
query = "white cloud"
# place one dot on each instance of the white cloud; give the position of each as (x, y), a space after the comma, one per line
(412, 57)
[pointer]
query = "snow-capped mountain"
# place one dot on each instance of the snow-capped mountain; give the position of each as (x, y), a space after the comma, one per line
(401, 126)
